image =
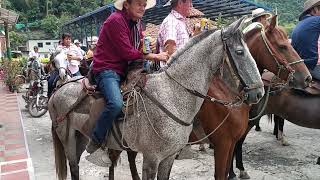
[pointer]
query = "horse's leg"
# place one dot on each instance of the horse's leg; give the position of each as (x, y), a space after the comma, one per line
(114, 156)
(238, 152)
(132, 163)
(81, 144)
(165, 167)
(221, 158)
(71, 153)
(232, 174)
(149, 167)
(278, 130)
(257, 124)
(276, 126)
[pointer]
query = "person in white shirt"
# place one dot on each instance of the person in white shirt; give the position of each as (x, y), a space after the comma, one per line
(74, 55)
(35, 53)
(78, 44)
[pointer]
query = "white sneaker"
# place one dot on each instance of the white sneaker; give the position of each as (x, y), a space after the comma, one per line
(100, 158)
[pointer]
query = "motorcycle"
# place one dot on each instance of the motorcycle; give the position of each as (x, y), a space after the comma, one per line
(37, 101)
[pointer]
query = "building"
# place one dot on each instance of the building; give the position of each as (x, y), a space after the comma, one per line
(45, 46)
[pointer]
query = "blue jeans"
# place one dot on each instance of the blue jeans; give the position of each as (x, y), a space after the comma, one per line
(52, 81)
(315, 73)
(76, 74)
(109, 84)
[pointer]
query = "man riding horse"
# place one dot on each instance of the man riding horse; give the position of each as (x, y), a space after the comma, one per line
(119, 44)
(305, 37)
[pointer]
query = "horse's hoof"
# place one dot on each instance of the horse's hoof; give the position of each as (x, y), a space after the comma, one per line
(258, 128)
(244, 175)
(318, 161)
(284, 142)
(186, 153)
(202, 148)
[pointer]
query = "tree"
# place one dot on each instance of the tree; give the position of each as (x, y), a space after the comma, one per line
(17, 40)
(50, 25)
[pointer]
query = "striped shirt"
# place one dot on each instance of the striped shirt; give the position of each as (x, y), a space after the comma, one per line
(174, 27)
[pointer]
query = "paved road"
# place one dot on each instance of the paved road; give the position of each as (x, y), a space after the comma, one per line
(264, 157)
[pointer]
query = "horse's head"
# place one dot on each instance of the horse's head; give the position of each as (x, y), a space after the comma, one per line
(242, 63)
(60, 62)
(273, 51)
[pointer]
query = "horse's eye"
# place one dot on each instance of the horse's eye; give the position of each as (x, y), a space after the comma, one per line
(239, 51)
(283, 47)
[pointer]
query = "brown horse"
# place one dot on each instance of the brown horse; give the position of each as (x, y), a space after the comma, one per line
(271, 50)
(295, 106)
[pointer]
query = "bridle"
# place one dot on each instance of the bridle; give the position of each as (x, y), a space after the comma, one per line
(284, 65)
(241, 97)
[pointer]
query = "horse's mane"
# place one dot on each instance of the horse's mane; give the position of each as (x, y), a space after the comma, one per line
(190, 43)
(251, 33)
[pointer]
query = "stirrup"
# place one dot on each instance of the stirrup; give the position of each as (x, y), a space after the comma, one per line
(99, 158)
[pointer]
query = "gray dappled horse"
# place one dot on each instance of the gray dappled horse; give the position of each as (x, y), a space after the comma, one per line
(151, 131)
(61, 65)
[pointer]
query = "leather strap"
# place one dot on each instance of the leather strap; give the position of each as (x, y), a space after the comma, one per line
(172, 116)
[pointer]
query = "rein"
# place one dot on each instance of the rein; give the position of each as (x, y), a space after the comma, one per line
(234, 103)
(277, 58)
(280, 67)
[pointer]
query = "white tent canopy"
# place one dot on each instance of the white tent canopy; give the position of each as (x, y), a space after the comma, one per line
(8, 16)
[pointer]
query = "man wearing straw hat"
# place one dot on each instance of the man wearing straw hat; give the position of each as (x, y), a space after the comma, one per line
(305, 37)
(118, 44)
(260, 15)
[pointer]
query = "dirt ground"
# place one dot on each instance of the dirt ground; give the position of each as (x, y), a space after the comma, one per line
(264, 157)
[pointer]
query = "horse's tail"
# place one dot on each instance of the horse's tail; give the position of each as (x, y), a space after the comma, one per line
(59, 155)
(270, 117)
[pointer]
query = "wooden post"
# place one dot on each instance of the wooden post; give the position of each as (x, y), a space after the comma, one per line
(6, 30)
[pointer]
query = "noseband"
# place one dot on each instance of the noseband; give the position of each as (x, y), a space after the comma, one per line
(234, 71)
(284, 65)
(238, 101)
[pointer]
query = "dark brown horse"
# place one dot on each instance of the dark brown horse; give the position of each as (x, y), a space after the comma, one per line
(229, 124)
(295, 106)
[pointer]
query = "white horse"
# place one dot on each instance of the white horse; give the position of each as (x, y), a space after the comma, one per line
(166, 107)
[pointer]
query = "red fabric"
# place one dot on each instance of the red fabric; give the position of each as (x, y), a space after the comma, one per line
(115, 47)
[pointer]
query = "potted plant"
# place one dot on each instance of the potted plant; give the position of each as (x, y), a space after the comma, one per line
(11, 70)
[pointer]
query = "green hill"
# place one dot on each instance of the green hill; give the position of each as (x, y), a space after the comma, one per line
(288, 10)
(49, 15)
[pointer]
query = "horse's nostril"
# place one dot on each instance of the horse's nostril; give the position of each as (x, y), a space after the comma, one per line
(259, 95)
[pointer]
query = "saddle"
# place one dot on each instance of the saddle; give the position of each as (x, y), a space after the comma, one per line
(313, 88)
(269, 79)
(135, 78)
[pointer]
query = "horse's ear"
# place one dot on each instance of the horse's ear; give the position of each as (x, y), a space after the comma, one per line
(237, 25)
(274, 22)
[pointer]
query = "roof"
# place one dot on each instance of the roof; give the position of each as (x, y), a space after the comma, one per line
(7, 16)
(211, 8)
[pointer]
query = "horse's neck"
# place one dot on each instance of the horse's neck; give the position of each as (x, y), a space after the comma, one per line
(224, 85)
(194, 68)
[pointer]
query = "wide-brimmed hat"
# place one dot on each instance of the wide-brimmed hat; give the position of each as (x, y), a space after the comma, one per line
(258, 13)
(118, 4)
(307, 6)
(76, 41)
